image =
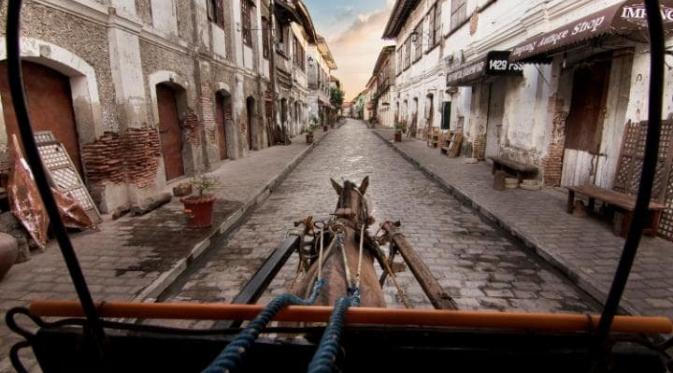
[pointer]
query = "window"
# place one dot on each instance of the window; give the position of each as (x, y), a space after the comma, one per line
(434, 26)
(216, 12)
(400, 61)
(299, 54)
(418, 44)
(458, 13)
(407, 53)
(246, 22)
(265, 37)
(437, 32)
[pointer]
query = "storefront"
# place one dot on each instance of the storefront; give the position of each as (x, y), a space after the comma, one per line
(487, 78)
(596, 60)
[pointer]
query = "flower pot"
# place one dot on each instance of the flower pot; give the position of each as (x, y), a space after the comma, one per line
(199, 211)
(309, 138)
(398, 136)
(9, 252)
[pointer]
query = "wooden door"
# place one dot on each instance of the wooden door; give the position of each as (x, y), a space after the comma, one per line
(49, 104)
(584, 126)
(250, 107)
(496, 110)
(222, 115)
(171, 133)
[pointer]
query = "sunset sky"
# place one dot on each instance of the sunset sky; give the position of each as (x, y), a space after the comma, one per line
(353, 29)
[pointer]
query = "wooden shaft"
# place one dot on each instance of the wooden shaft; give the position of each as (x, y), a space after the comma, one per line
(373, 316)
(433, 290)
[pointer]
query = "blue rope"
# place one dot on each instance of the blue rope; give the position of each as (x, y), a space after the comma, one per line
(325, 356)
(232, 355)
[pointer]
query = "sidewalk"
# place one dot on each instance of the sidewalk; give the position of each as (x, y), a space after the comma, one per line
(136, 258)
(582, 247)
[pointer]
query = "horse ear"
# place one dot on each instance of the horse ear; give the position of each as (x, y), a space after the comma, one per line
(365, 184)
(336, 186)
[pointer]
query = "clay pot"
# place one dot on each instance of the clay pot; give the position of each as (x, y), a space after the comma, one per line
(9, 252)
(398, 136)
(199, 211)
(325, 128)
(309, 138)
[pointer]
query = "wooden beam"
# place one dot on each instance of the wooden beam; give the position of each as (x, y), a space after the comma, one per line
(438, 297)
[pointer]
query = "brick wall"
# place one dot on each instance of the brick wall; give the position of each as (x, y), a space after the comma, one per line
(132, 158)
(552, 163)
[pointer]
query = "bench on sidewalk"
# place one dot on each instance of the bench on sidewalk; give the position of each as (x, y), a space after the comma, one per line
(624, 203)
(520, 170)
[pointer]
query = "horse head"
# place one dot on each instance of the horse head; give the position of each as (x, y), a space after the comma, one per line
(352, 204)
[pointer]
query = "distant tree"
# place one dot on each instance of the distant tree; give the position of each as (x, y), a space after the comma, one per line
(336, 97)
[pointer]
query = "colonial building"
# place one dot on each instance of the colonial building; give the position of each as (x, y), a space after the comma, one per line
(548, 83)
(143, 93)
(384, 73)
(416, 26)
(558, 85)
(321, 64)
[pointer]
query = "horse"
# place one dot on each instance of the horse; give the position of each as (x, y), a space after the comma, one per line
(351, 214)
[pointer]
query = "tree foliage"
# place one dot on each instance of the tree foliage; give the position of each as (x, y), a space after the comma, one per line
(336, 97)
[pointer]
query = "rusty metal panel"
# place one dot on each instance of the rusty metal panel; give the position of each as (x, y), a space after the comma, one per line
(170, 131)
(65, 178)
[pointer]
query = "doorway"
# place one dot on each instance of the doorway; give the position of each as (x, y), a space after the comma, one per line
(494, 117)
(50, 106)
(223, 118)
(170, 131)
(250, 108)
(584, 125)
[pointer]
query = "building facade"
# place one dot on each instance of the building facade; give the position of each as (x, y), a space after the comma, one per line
(321, 64)
(552, 84)
(384, 73)
(144, 93)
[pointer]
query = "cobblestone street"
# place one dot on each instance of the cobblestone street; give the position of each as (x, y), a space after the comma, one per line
(473, 261)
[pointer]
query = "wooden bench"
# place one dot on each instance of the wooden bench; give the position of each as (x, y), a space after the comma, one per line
(622, 202)
(520, 170)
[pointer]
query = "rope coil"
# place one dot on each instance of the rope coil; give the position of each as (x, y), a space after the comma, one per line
(230, 358)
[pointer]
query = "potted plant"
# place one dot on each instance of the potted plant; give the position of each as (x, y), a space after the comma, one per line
(400, 127)
(199, 207)
(309, 135)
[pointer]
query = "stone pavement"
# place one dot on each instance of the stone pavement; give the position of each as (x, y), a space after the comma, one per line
(136, 258)
(583, 247)
(475, 262)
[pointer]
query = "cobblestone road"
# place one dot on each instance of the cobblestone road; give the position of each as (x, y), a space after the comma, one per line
(473, 261)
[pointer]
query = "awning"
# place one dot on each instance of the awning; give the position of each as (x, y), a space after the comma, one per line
(622, 18)
(496, 63)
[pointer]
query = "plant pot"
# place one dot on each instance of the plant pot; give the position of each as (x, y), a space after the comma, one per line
(325, 128)
(398, 136)
(9, 252)
(199, 211)
(309, 138)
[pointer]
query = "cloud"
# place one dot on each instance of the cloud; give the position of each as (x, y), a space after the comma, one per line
(357, 47)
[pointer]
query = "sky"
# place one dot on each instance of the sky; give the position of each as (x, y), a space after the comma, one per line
(353, 30)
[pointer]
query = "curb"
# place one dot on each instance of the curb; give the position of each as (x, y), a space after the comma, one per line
(494, 218)
(151, 293)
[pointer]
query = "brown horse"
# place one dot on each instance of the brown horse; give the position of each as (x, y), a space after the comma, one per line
(352, 213)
